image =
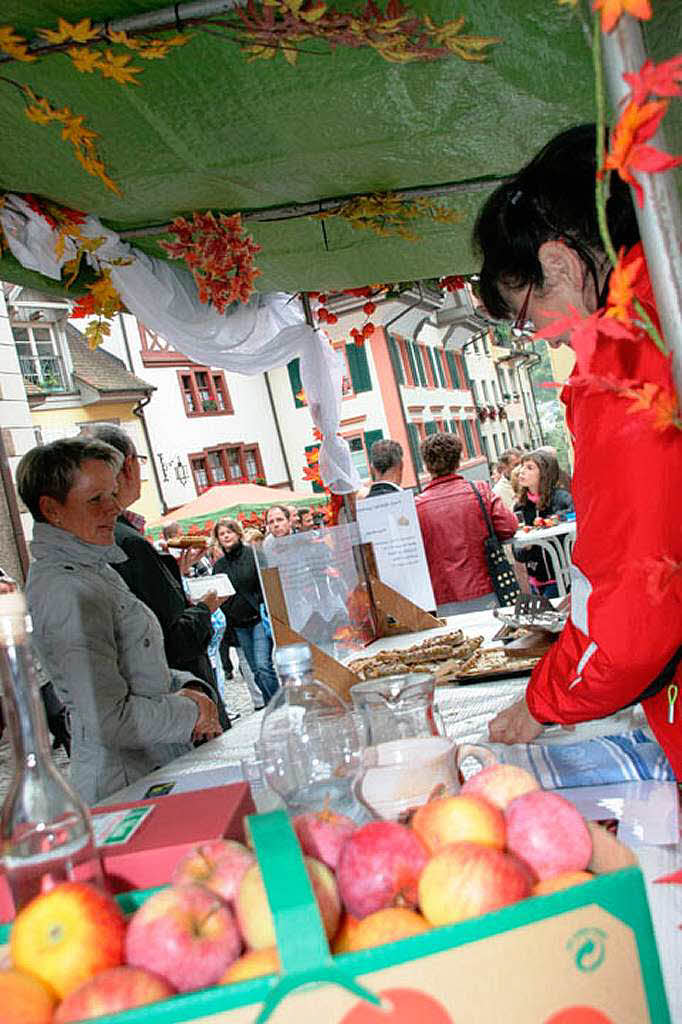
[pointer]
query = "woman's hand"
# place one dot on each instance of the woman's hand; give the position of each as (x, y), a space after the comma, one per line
(514, 725)
(189, 558)
(207, 725)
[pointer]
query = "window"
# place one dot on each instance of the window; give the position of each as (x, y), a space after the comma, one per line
(427, 359)
(496, 442)
(359, 455)
(204, 392)
(226, 464)
(495, 394)
(396, 359)
(418, 363)
(455, 375)
(39, 356)
(512, 433)
(346, 379)
(413, 435)
(484, 386)
(469, 445)
(475, 347)
(486, 448)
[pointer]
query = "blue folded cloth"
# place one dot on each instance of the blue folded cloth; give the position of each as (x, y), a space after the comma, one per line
(598, 761)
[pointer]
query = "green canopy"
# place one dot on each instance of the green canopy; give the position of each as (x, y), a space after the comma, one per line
(207, 129)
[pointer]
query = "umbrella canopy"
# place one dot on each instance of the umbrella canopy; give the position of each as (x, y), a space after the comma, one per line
(229, 501)
(206, 128)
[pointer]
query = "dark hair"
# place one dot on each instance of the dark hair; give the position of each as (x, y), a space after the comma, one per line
(441, 453)
(231, 524)
(282, 509)
(551, 198)
(549, 477)
(49, 470)
(385, 455)
(113, 435)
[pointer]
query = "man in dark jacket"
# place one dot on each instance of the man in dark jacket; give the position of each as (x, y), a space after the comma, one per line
(386, 464)
(156, 578)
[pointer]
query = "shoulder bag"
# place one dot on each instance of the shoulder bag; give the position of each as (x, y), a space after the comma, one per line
(500, 571)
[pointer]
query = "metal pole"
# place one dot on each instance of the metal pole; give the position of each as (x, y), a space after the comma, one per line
(282, 449)
(660, 217)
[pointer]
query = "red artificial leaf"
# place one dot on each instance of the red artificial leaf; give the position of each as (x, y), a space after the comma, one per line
(621, 288)
(369, 308)
(674, 879)
(317, 434)
(85, 306)
(665, 410)
(611, 11)
(637, 124)
(659, 79)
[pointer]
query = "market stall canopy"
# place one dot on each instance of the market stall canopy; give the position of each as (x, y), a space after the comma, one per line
(232, 500)
(206, 128)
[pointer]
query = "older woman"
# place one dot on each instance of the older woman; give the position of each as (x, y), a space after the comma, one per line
(454, 529)
(540, 497)
(243, 609)
(543, 256)
(102, 647)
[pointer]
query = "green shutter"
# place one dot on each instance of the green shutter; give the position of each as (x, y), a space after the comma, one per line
(397, 362)
(456, 383)
(471, 449)
(453, 426)
(314, 448)
(419, 363)
(413, 435)
(431, 427)
(413, 365)
(359, 368)
(370, 437)
(478, 431)
(294, 368)
(432, 364)
(438, 359)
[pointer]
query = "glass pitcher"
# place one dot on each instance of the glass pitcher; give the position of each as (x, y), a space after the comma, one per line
(398, 707)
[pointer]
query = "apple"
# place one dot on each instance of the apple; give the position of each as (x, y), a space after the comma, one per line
(548, 832)
(344, 936)
(24, 999)
(379, 866)
(219, 865)
(455, 819)
(563, 881)
(466, 879)
(323, 833)
(387, 925)
(68, 934)
(255, 963)
(499, 784)
(186, 934)
(253, 913)
(114, 990)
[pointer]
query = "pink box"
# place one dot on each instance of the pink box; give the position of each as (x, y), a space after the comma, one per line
(177, 823)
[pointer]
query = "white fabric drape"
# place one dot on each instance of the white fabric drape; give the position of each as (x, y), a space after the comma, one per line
(250, 338)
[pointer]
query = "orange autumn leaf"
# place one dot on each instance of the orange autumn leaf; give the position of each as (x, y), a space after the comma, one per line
(300, 397)
(666, 412)
(14, 45)
(642, 397)
(118, 67)
(611, 11)
(627, 153)
(621, 292)
(85, 61)
(80, 32)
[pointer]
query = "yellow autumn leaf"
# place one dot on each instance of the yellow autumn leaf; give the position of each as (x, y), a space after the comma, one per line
(75, 132)
(314, 13)
(83, 59)
(95, 333)
(115, 66)
(14, 45)
(71, 269)
(260, 52)
(121, 38)
(290, 55)
(37, 115)
(81, 32)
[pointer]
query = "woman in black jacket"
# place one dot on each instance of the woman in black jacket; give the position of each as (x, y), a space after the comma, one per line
(242, 609)
(541, 497)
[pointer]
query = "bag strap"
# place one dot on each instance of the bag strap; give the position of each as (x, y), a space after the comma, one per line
(484, 510)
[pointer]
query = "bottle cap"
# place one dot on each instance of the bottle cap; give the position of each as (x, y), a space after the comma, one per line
(13, 604)
(293, 657)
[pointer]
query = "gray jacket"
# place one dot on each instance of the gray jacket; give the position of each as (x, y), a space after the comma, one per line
(103, 650)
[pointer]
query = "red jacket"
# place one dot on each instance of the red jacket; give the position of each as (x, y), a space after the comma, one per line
(626, 605)
(454, 529)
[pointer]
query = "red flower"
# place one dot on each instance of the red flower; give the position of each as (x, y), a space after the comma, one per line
(659, 79)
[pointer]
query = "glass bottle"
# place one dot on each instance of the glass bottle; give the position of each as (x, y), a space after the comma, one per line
(309, 742)
(45, 830)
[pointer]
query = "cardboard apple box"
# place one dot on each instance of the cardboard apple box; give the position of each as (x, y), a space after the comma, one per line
(581, 954)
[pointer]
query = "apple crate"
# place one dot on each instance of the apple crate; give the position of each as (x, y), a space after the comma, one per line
(584, 955)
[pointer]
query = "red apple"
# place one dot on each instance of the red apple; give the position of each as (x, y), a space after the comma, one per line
(119, 988)
(322, 834)
(455, 819)
(499, 784)
(548, 832)
(24, 999)
(186, 934)
(68, 934)
(464, 880)
(220, 865)
(253, 913)
(379, 867)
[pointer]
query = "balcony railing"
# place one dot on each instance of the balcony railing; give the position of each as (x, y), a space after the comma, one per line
(46, 372)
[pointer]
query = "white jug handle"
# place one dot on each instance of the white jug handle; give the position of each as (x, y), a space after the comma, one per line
(484, 755)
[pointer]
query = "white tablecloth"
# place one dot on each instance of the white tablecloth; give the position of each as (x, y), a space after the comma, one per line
(466, 711)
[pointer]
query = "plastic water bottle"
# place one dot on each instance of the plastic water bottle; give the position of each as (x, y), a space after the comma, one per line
(45, 829)
(309, 742)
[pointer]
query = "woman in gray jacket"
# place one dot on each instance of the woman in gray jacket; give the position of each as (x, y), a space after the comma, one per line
(102, 647)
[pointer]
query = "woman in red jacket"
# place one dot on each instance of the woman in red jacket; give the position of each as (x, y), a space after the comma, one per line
(454, 529)
(543, 256)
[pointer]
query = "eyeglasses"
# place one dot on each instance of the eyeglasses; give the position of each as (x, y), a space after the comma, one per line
(521, 324)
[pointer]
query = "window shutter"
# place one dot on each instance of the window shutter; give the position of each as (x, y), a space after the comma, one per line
(370, 437)
(471, 450)
(294, 368)
(438, 359)
(478, 431)
(432, 363)
(359, 368)
(453, 427)
(413, 435)
(313, 448)
(431, 427)
(413, 365)
(418, 362)
(395, 359)
(454, 373)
